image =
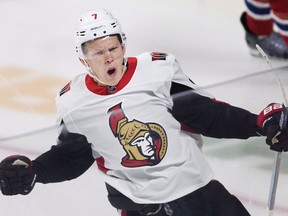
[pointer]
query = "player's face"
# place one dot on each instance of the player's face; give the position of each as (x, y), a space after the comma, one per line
(105, 57)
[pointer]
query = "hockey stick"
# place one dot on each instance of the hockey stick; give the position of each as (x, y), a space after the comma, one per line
(283, 124)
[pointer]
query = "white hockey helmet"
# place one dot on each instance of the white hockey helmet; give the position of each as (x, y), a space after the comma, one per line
(96, 24)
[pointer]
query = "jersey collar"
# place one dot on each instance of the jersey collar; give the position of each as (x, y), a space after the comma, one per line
(103, 90)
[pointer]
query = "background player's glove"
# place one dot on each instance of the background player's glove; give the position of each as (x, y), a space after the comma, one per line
(273, 121)
(16, 175)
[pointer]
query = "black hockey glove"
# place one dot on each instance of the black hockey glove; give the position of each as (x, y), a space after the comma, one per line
(273, 121)
(16, 175)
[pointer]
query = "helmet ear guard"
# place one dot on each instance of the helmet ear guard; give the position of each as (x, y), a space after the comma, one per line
(96, 24)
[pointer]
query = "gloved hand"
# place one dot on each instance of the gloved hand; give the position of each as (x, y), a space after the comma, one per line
(16, 175)
(273, 121)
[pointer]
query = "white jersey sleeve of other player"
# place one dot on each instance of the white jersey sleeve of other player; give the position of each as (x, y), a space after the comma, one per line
(138, 145)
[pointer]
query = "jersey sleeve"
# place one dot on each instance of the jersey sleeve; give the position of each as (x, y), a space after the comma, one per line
(199, 111)
(72, 155)
(67, 160)
(212, 118)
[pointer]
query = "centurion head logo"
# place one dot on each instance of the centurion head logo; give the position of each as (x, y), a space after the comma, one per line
(144, 143)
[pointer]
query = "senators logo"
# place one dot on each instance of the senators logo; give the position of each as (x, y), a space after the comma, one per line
(144, 143)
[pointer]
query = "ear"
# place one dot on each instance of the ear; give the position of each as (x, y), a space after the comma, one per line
(124, 48)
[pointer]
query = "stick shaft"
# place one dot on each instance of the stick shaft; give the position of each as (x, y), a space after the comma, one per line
(274, 181)
(277, 161)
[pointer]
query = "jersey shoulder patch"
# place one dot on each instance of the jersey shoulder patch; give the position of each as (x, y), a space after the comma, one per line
(65, 89)
(158, 56)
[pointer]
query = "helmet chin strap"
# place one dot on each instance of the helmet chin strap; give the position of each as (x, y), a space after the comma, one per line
(93, 75)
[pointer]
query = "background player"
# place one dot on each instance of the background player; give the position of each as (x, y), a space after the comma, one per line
(259, 21)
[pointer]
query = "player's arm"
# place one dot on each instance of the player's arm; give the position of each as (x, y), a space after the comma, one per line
(221, 120)
(65, 161)
(211, 118)
(206, 116)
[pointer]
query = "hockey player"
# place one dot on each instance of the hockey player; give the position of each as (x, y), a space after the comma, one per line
(259, 21)
(141, 119)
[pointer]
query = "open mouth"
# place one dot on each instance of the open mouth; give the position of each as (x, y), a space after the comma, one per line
(111, 71)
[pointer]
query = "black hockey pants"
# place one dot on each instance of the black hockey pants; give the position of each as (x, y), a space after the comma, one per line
(210, 200)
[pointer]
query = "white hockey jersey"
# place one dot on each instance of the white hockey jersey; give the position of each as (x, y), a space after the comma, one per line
(137, 143)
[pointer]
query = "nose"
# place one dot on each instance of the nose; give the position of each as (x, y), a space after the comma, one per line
(108, 57)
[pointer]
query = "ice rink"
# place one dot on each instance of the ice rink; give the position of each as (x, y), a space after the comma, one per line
(37, 58)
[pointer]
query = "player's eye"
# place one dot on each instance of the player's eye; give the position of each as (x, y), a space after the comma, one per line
(101, 52)
(113, 48)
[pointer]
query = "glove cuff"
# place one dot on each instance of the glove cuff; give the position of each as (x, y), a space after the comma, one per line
(269, 111)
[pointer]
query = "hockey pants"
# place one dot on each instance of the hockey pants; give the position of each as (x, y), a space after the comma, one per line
(210, 200)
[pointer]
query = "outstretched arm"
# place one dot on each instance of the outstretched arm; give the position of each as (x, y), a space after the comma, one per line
(65, 161)
(210, 117)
